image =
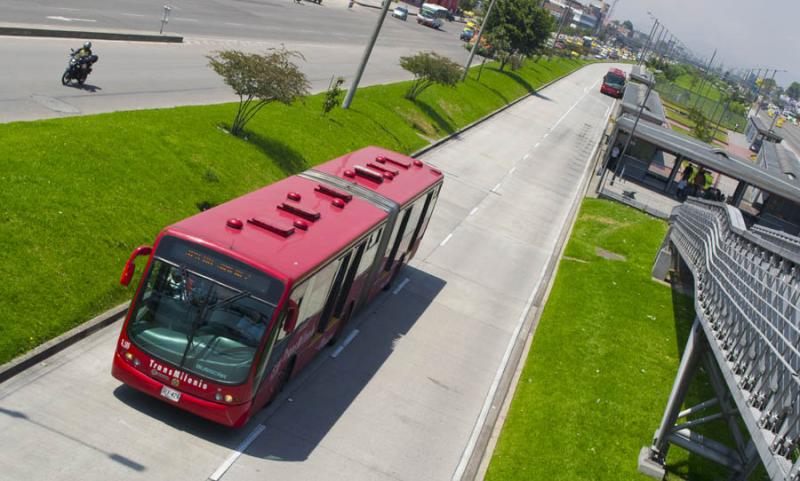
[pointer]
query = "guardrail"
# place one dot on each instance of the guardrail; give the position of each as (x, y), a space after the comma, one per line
(747, 334)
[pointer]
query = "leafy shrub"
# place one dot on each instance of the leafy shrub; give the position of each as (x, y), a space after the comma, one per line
(429, 68)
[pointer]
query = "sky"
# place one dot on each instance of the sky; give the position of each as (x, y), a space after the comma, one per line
(747, 33)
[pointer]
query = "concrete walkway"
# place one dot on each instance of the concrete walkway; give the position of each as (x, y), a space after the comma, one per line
(405, 399)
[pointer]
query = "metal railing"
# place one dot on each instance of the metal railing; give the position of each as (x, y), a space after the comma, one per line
(747, 292)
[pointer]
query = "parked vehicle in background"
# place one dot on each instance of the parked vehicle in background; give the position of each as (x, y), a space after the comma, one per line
(432, 15)
(236, 300)
(400, 12)
(613, 83)
(467, 34)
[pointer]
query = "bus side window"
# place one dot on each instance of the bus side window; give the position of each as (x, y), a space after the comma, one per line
(427, 211)
(317, 293)
(397, 237)
(369, 254)
(279, 337)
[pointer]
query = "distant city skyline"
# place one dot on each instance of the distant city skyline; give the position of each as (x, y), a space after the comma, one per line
(746, 34)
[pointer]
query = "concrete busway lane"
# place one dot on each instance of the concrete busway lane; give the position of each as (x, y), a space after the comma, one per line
(400, 401)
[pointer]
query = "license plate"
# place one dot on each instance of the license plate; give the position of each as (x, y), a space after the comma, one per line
(170, 394)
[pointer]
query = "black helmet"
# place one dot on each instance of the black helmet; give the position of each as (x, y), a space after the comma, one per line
(87, 45)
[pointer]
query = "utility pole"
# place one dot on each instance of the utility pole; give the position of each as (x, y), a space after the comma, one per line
(660, 43)
(477, 40)
(758, 104)
(567, 10)
(633, 130)
(705, 75)
(365, 58)
(647, 43)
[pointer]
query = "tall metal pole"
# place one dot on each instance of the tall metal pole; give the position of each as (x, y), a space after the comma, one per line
(647, 43)
(659, 43)
(477, 40)
(724, 111)
(567, 10)
(633, 131)
(365, 58)
(758, 104)
(705, 75)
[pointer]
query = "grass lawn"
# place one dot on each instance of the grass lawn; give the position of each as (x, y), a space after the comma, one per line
(602, 363)
(78, 194)
(709, 90)
(674, 114)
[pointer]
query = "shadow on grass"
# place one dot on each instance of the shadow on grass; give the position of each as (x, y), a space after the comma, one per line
(516, 78)
(442, 123)
(286, 158)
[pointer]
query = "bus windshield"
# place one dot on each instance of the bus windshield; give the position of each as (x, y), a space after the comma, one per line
(203, 312)
(433, 10)
(614, 80)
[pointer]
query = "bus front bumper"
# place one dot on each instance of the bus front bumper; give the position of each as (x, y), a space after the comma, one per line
(235, 415)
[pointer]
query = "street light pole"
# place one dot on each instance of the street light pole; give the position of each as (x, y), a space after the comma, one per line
(477, 41)
(647, 43)
(567, 10)
(633, 130)
(365, 58)
(705, 75)
(758, 104)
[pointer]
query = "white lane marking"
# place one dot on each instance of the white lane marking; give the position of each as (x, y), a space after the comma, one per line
(537, 144)
(235, 24)
(494, 189)
(525, 157)
(345, 343)
(238, 452)
(133, 15)
(487, 403)
(514, 168)
(401, 286)
(474, 210)
(68, 19)
(182, 19)
(545, 135)
(446, 239)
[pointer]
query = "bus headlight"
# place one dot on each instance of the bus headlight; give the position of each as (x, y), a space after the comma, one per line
(228, 398)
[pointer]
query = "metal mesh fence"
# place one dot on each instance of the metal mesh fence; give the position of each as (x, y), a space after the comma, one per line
(712, 109)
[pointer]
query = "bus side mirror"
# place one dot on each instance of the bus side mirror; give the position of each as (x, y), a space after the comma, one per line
(130, 267)
(291, 317)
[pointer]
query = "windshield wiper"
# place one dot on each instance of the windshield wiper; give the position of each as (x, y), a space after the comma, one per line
(229, 300)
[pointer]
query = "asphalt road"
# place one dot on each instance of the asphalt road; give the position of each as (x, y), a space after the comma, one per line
(149, 75)
(403, 399)
(789, 132)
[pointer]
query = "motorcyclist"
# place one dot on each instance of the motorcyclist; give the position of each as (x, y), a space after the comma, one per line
(84, 51)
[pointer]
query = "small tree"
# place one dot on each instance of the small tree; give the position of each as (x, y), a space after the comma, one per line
(333, 95)
(259, 80)
(702, 127)
(429, 68)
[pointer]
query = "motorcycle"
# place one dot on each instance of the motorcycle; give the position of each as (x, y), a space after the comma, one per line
(78, 68)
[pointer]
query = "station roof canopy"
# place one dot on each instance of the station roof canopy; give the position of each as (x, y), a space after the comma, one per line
(779, 161)
(765, 131)
(640, 74)
(716, 159)
(632, 100)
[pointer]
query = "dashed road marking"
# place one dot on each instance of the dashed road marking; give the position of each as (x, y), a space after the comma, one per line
(345, 343)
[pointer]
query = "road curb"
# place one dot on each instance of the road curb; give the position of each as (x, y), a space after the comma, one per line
(61, 342)
(82, 331)
(24, 31)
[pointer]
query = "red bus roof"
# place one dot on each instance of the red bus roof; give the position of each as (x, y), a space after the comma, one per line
(617, 71)
(288, 227)
(397, 177)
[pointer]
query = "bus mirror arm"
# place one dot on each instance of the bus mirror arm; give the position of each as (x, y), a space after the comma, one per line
(130, 267)
(291, 317)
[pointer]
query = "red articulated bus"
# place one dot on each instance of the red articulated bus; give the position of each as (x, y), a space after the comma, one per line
(613, 83)
(237, 299)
